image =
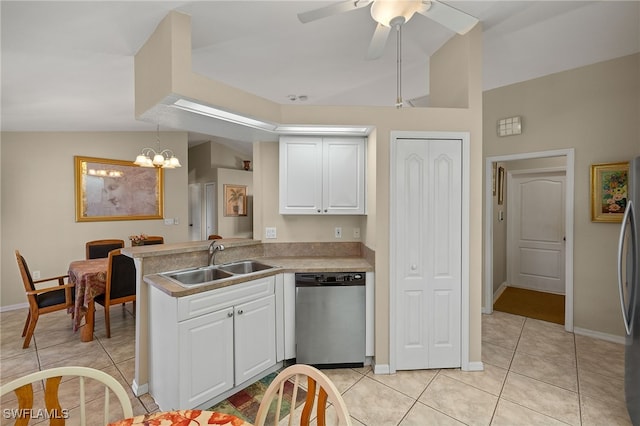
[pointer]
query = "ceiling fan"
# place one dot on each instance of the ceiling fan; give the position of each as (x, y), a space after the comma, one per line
(393, 14)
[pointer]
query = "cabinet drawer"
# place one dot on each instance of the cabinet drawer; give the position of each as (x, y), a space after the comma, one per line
(210, 301)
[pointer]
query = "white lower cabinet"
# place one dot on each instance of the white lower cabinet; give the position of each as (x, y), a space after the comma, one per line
(206, 344)
(254, 337)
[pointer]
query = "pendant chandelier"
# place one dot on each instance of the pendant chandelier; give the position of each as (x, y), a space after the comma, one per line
(161, 159)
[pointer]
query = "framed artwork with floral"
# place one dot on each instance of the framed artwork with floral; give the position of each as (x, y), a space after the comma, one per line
(235, 200)
(609, 191)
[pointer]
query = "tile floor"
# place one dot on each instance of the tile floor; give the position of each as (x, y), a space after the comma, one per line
(535, 374)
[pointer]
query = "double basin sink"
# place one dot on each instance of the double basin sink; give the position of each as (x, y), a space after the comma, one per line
(208, 274)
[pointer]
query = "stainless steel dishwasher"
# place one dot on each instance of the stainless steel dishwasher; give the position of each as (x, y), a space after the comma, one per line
(330, 319)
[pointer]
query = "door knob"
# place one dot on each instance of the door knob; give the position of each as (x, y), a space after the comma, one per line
(230, 314)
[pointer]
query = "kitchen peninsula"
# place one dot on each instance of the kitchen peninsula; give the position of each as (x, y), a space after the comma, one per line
(287, 258)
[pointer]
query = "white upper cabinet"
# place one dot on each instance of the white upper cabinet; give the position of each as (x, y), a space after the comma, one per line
(322, 175)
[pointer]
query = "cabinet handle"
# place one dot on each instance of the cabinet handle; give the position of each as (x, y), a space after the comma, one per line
(240, 311)
(325, 210)
(230, 314)
(319, 210)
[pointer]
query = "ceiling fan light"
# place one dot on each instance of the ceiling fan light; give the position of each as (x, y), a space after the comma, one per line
(384, 11)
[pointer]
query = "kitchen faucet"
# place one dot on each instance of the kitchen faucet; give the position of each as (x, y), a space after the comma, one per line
(213, 248)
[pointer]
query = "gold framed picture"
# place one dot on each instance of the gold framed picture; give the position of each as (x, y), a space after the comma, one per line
(116, 190)
(235, 200)
(609, 191)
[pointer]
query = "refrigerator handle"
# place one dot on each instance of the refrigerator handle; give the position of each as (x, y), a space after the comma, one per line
(628, 216)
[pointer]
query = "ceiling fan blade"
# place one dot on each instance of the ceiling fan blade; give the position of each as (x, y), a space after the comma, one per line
(450, 17)
(332, 9)
(378, 42)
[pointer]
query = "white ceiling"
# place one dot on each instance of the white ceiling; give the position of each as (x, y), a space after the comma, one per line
(68, 66)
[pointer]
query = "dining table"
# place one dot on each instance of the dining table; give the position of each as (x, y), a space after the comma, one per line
(90, 279)
(183, 418)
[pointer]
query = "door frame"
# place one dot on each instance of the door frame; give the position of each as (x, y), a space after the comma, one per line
(569, 154)
(464, 137)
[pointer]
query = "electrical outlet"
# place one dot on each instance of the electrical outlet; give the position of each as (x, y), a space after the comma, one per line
(176, 221)
(356, 232)
(270, 232)
(338, 232)
(35, 275)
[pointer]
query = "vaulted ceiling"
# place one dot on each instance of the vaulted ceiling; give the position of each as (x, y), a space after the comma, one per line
(69, 65)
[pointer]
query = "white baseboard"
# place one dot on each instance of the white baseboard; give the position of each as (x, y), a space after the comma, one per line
(474, 366)
(499, 291)
(381, 369)
(599, 335)
(14, 307)
(139, 389)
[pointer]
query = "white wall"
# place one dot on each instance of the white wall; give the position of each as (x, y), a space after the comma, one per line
(595, 110)
(38, 202)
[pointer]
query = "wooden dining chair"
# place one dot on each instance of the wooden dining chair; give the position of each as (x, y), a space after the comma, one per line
(317, 385)
(42, 300)
(120, 286)
(215, 237)
(153, 239)
(100, 248)
(54, 387)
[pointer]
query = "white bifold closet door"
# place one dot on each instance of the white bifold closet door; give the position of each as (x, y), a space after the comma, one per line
(428, 264)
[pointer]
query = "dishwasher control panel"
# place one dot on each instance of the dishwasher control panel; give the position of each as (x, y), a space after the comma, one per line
(330, 278)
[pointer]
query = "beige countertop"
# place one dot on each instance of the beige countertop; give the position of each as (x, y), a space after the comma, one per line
(281, 265)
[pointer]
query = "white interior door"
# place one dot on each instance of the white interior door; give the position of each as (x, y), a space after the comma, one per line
(195, 212)
(428, 262)
(211, 212)
(535, 231)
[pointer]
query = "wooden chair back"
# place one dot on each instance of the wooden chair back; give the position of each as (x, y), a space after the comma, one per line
(318, 385)
(57, 414)
(42, 300)
(120, 286)
(153, 239)
(215, 237)
(97, 249)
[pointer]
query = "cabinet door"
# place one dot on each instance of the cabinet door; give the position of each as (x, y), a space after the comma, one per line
(205, 357)
(255, 337)
(343, 176)
(300, 175)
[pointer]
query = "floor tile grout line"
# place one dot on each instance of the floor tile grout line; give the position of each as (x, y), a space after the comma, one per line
(575, 354)
(506, 376)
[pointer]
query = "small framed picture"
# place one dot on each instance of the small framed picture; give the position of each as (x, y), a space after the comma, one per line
(609, 191)
(235, 200)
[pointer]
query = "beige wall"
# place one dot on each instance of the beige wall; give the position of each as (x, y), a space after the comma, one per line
(38, 204)
(172, 38)
(213, 162)
(235, 226)
(595, 110)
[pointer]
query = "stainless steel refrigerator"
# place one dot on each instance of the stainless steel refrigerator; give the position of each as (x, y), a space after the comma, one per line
(629, 287)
